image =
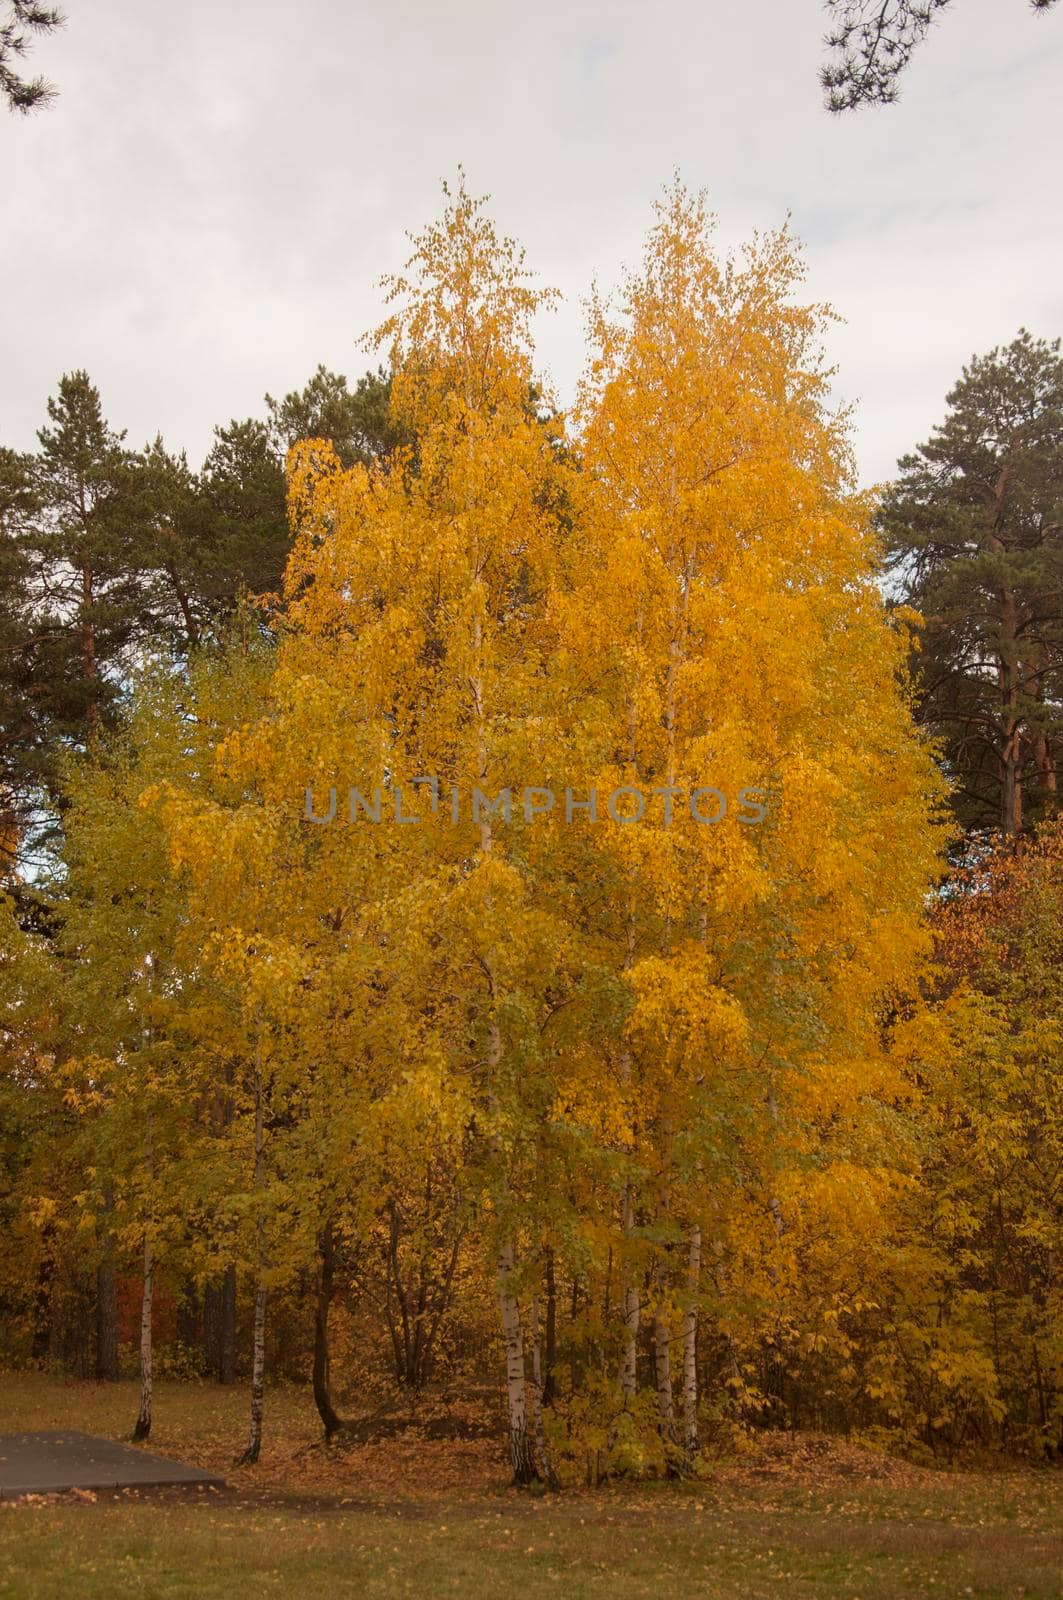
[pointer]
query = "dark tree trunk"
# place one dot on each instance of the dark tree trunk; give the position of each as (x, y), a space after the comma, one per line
(1008, 680)
(550, 1352)
(219, 1298)
(219, 1327)
(41, 1342)
(185, 603)
(443, 1293)
(331, 1421)
(188, 1315)
(88, 652)
(258, 1325)
(227, 1324)
(212, 1328)
(421, 1309)
(106, 1309)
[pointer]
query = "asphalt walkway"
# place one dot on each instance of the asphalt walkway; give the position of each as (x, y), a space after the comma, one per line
(48, 1463)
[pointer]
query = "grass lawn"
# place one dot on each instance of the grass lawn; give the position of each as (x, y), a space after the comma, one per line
(799, 1519)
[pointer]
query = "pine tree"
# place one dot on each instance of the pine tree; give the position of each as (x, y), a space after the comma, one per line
(242, 535)
(357, 423)
(20, 723)
(872, 44)
(975, 531)
(23, 18)
(85, 539)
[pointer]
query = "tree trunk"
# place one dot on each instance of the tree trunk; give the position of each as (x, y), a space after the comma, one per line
(774, 1203)
(541, 1454)
(184, 602)
(88, 654)
(403, 1346)
(106, 1305)
(690, 1348)
(443, 1299)
(1008, 678)
(662, 1351)
(550, 1354)
(520, 1444)
(258, 1333)
(41, 1343)
(1046, 770)
(258, 1370)
(629, 1361)
(322, 1390)
(662, 1359)
(219, 1310)
(212, 1328)
(188, 1315)
(1011, 791)
(1044, 761)
(143, 1424)
(227, 1327)
(629, 1364)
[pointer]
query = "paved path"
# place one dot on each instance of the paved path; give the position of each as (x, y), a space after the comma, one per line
(46, 1463)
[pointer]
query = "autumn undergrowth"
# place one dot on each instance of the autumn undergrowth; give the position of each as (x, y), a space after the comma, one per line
(804, 1517)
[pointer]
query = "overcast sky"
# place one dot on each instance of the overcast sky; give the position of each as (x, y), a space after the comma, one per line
(205, 211)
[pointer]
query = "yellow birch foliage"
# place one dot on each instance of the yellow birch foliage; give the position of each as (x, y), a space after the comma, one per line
(619, 1032)
(728, 632)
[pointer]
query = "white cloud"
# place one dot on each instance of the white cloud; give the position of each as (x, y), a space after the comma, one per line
(204, 213)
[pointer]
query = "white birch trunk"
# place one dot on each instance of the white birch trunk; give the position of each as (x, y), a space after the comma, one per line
(258, 1335)
(541, 1455)
(520, 1442)
(520, 1447)
(143, 1426)
(629, 1369)
(774, 1205)
(690, 1347)
(147, 1292)
(629, 1359)
(662, 1355)
(258, 1370)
